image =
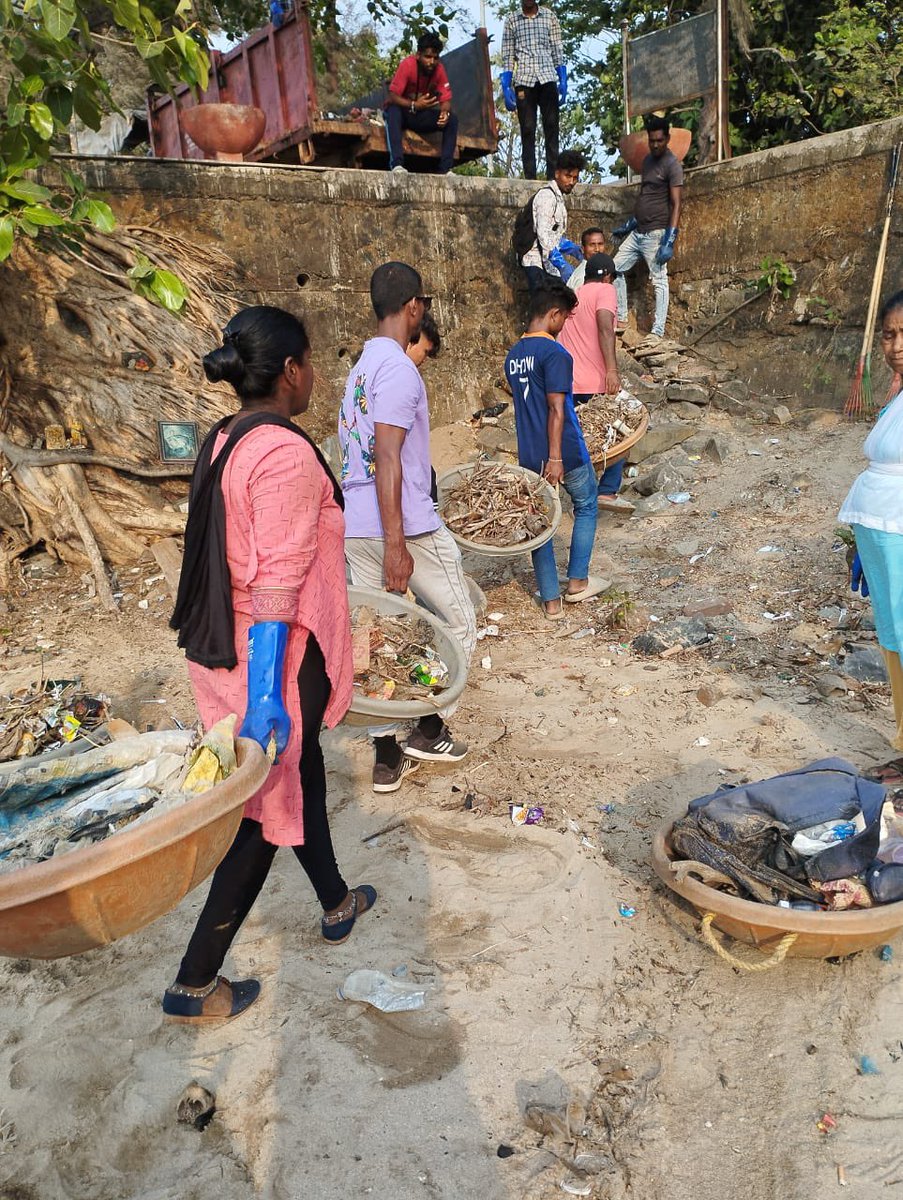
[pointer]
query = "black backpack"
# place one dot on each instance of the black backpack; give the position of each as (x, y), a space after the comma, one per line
(523, 239)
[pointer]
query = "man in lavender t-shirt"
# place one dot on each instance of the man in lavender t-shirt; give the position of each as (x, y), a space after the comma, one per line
(394, 538)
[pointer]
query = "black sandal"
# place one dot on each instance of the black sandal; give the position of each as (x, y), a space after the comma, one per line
(186, 1006)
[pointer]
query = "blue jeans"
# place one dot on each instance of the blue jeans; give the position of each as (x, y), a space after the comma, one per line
(634, 247)
(580, 485)
(610, 479)
(425, 120)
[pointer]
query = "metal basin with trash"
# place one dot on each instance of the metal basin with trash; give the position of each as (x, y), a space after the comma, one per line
(92, 895)
(374, 710)
(528, 481)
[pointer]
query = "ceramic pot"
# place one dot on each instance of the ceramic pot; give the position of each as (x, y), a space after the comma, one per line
(227, 131)
(635, 146)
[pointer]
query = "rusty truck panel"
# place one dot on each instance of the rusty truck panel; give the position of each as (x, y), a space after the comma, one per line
(274, 70)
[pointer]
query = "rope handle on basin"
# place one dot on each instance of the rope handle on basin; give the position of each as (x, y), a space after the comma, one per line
(780, 953)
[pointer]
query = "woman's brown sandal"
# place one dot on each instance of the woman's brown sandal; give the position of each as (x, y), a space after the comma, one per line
(336, 927)
(219, 1001)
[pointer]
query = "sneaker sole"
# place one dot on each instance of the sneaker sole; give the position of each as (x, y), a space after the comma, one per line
(426, 756)
(393, 787)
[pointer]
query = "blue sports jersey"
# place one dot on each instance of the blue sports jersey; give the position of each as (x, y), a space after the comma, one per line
(536, 366)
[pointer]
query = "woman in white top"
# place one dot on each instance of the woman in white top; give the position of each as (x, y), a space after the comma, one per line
(874, 508)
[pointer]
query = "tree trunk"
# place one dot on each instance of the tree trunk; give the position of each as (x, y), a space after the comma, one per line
(80, 347)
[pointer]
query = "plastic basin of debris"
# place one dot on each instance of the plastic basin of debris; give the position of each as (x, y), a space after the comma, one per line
(819, 934)
(373, 710)
(92, 896)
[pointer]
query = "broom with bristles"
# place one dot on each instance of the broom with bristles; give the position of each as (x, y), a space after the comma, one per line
(859, 402)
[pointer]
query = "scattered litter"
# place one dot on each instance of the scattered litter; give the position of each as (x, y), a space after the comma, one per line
(826, 1124)
(400, 971)
(487, 631)
(678, 497)
(784, 616)
(522, 814)
(886, 953)
(625, 689)
(585, 841)
(607, 420)
(589, 631)
(611, 720)
(486, 662)
(196, 1106)
(841, 1175)
(868, 1066)
(382, 992)
(575, 1189)
(626, 910)
(754, 453)
(606, 808)
(702, 741)
(504, 1151)
(769, 550)
(496, 617)
(694, 558)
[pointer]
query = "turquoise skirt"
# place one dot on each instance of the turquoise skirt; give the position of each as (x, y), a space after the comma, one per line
(881, 555)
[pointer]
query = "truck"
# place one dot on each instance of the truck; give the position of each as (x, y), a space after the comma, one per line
(273, 69)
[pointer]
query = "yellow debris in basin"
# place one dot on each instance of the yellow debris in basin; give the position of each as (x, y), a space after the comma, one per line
(214, 759)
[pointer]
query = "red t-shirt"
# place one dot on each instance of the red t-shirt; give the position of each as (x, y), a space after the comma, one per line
(411, 81)
(580, 336)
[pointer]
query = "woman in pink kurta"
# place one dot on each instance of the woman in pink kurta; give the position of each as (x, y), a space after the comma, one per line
(266, 523)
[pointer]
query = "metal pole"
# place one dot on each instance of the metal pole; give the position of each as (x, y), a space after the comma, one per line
(625, 85)
(720, 77)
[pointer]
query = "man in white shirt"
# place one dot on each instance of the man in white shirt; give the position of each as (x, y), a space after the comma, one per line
(550, 218)
(592, 241)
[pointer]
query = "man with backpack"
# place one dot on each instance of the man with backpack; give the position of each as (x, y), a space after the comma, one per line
(540, 241)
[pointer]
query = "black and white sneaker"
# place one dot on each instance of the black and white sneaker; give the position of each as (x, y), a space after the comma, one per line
(390, 779)
(441, 748)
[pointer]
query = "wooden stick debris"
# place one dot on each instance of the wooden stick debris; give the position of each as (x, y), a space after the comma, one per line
(496, 506)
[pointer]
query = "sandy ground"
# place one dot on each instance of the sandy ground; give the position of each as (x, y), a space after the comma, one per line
(671, 1073)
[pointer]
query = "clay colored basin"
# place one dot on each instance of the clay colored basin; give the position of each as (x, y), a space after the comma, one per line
(224, 129)
(819, 934)
(635, 146)
(89, 898)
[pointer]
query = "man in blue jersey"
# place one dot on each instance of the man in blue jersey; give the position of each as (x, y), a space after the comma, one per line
(550, 442)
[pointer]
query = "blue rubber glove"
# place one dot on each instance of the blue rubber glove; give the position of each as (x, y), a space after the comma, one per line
(570, 247)
(557, 259)
(508, 91)
(666, 246)
(562, 84)
(278, 12)
(623, 230)
(266, 713)
(858, 581)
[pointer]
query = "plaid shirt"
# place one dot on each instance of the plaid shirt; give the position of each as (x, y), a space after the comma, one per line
(531, 46)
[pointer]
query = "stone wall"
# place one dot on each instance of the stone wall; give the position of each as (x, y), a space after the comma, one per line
(308, 239)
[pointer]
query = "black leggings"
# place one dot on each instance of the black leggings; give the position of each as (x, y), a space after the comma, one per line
(238, 879)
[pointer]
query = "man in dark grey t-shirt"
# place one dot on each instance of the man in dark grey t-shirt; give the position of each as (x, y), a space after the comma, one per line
(652, 231)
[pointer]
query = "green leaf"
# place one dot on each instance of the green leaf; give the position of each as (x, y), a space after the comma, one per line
(7, 236)
(142, 269)
(15, 114)
(31, 85)
(149, 49)
(24, 189)
(169, 290)
(27, 227)
(41, 119)
(86, 106)
(39, 214)
(58, 18)
(99, 214)
(59, 101)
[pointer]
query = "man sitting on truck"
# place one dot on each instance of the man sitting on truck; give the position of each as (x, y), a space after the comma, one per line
(420, 99)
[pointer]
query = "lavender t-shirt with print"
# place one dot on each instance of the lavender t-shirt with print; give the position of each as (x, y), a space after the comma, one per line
(385, 386)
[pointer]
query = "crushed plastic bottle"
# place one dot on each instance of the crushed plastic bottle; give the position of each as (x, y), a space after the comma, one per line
(382, 992)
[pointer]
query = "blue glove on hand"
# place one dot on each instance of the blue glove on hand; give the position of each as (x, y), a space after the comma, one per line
(557, 259)
(858, 581)
(266, 713)
(623, 230)
(569, 247)
(508, 90)
(562, 84)
(666, 247)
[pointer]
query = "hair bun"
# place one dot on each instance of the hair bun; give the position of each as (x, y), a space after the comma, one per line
(225, 363)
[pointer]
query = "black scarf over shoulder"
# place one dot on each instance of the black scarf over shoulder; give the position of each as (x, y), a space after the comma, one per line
(203, 613)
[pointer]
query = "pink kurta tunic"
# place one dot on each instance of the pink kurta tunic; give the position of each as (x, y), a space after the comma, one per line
(283, 530)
